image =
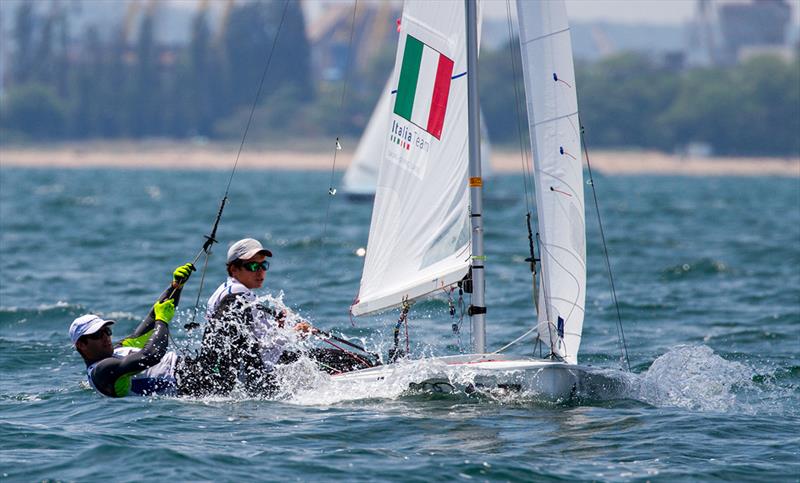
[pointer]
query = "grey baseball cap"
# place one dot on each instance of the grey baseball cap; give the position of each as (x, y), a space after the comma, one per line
(246, 248)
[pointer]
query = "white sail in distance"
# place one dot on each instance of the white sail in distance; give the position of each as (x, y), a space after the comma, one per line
(419, 239)
(361, 176)
(552, 105)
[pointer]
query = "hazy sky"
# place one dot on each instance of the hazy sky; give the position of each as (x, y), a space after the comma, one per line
(638, 11)
(649, 11)
(629, 11)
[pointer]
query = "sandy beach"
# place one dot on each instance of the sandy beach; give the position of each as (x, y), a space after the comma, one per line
(147, 155)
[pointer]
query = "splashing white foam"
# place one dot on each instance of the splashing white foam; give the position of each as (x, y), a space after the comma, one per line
(322, 389)
(689, 377)
(693, 377)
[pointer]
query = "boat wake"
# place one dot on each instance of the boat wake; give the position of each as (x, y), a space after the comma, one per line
(691, 377)
(696, 378)
(688, 377)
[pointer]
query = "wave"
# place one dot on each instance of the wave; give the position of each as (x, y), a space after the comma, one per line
(41, 314)
(55, 316)
(696, 378)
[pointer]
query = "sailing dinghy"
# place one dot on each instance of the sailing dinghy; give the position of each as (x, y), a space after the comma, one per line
(426, 232)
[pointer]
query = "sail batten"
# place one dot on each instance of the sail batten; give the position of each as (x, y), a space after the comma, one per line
(550, 34)
(552, 105)
(564, 116)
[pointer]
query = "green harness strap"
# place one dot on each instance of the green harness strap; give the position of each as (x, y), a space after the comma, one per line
(137, 342)
(122, 386)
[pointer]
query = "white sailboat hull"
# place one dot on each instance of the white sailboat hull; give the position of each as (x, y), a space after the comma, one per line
(539, 378)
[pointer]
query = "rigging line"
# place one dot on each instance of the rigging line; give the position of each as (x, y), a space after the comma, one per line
(258, 95)
(620, 332)
(542, 173)
(554, 259)
(543, 287)
(193, 325)
(331, 190)
(210, 239)
(328, 335)
(184, 349)
(338, 146)
(527, 177)
(515, 78)
(350, 353)
(573, 303)
(515, 340)
(326, 366)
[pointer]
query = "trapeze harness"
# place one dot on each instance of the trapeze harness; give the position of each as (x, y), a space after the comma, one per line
(156, 380)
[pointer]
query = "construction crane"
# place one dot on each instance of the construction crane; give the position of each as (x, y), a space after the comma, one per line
(131, 14)
(223, 20)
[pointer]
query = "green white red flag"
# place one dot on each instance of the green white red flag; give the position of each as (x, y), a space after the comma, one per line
(424, 86)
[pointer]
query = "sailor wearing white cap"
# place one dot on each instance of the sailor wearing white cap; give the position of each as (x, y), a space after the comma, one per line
(141, 364)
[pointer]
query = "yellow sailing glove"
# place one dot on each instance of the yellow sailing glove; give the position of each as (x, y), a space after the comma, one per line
(164, 310)
(182, 273)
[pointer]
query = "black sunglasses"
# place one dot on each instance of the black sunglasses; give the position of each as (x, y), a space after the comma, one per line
(100, 333)
(255, 266)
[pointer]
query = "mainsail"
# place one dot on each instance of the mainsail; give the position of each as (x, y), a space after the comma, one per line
(555, 138)
(419, 239)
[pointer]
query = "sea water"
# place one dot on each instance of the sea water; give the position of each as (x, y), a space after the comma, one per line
(707, 275)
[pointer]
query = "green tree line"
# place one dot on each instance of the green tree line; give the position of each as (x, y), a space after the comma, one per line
(99, 87)
(113, 87)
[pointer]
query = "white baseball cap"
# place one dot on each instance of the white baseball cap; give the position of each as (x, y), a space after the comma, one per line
(246, 248)
(85, 325)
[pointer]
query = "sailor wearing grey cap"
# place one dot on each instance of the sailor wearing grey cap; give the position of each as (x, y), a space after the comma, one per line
(246, 249)
(140, 364)
(241, 340)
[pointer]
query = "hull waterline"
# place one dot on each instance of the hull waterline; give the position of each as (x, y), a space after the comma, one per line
(539, 378)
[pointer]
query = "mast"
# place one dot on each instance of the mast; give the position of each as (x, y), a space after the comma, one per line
(478, 308)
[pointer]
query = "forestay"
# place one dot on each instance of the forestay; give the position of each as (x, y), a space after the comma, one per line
(555, 138)
(419, 238)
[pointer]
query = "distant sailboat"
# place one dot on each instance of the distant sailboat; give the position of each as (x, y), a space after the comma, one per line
(362, 175)
(426, 232)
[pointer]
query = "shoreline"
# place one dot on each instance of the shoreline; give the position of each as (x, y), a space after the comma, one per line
(159, 155)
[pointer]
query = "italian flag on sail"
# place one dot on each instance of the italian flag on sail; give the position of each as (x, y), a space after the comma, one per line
(424, 86)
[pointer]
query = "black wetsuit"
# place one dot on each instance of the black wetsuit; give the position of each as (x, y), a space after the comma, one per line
(231, 352)
(116, 376)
